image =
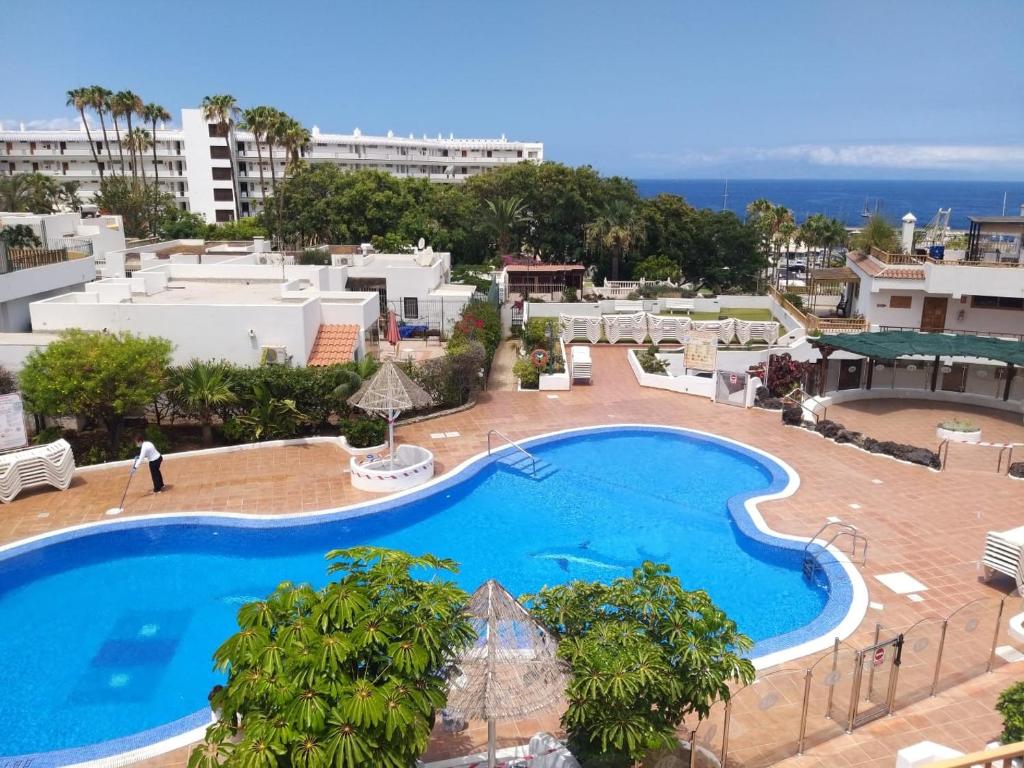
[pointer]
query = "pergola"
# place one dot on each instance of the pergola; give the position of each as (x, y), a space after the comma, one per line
(828, 281)
(889, 345)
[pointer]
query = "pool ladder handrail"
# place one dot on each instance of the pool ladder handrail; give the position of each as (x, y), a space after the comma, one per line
(844, 529)
(514, 444)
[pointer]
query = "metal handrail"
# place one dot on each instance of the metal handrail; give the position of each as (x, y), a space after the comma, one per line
(799, 398)
(845, 529)
(514, 444)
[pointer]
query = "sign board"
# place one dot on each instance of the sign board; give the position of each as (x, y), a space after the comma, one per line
(12, 423)
(731, 388)
(701, 351)
(879, 656)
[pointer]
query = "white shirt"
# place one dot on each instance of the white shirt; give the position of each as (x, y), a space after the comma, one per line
(147, 452)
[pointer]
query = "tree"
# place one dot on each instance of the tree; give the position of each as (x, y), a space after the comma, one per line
(834, 235)
(617, 230)
(80, 98)
(8, 382)
(657, 268)
(139, 140)
(222, 110)
(67, 195)
(154, 113)
(176, 224)
(99, 100)
(1010, 705)
(102, 377)
(503, 216)
(347, 676)
(133, 201)
(200, 389)
(20, 236)
(269, 418)
(259, 121)
(644, 654)
(877, 233)
(127, 104)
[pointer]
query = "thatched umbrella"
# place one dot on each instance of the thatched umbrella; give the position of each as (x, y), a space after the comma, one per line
(511, 671)
(389, 392)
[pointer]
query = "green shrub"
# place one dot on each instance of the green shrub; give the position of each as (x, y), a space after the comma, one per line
(156, 436)
(314, 257)
(570, 294)
(8, 382)
(958, 425)
(1010, 705)
(535, 332)
(795, 299)
(47, 435)
(363, 432)
(650, 362)
(527, 373)
(480, 321)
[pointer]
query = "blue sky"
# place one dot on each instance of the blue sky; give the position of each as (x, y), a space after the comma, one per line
(785, 89)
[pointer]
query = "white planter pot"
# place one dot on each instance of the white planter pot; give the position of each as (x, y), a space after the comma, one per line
(957, 437)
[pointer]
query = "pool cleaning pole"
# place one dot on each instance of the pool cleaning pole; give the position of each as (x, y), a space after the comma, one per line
(120, 507)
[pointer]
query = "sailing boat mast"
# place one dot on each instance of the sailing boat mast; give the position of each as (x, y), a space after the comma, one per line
(725, 197)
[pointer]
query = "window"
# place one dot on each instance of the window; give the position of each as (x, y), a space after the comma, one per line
(214, 129)
(225, 215)
(490, 153)
(411, 307)
(519, 153)
(240, 145)
(899, 302)
(223, 195)
(996, 302)
(219, 152)
(222, 174)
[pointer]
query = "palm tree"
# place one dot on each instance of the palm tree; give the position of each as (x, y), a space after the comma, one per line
(139, 140)
(834, 235)
(618, 229)
(98, 100)
(201, 388)
(153, 113)
(502, 215)
(877, 233)
(295, 139)
(79, 99)
(117, 109)
(14, 193)
(128, 104)
(223, 110)
(278, 124)
(259, 120)
(67, 195)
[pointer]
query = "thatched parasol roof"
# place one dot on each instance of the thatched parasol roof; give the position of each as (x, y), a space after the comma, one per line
(390, 389)
(512, 670)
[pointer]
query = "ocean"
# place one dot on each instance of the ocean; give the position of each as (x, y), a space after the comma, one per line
(847, 200)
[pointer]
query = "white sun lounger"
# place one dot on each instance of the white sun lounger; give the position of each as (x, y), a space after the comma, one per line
(582, 369)
(1003, 553)
(52, 464)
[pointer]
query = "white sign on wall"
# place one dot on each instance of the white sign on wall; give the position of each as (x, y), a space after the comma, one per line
(12, 423)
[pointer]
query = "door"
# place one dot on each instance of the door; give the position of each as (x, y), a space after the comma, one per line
(849, 374)
(956, 379)
(874, 681)
(933, 314)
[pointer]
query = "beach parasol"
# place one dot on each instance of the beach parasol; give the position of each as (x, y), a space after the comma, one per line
(392, 336)
(511, 671)
(389, 392)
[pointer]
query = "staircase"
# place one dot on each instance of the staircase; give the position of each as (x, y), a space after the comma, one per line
(535, 469)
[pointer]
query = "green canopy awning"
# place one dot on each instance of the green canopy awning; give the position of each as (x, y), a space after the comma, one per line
(888, 345)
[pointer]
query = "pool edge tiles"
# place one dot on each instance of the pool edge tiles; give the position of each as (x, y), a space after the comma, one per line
(845, 606)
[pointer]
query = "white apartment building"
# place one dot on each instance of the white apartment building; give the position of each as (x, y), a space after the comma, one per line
(194, 161)
(977, 290)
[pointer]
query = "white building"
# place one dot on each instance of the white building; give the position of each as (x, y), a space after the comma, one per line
(976, 290)
(194, 161)
(65, 261)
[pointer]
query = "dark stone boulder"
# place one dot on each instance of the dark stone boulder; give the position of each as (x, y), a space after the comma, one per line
(1017, 469)
(848, 436)
(793, 415)
(828, 428)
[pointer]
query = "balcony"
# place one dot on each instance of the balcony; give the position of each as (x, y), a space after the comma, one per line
(15, 259)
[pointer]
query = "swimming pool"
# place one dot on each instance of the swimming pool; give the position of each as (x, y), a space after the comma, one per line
(113, 625)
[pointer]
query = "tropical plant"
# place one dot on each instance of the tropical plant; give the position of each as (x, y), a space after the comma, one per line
(8, 381)
(259, 121)
(125, 104)
(650, 362)
(958, 425)
(138, 141)
(200, 389)
(269, 417)
(100, 376)
(527, 373)
(644, 653)
(502, 217)
(67, 195)
(784, 374)
(31, 193)
(617, 230)
(19, 236)
(99, 100)
(657, 268)
(877, 233)
(133, 201)
(223, 111)
(79, 98)
(347, 676)
(155, 113)
(1010, 705)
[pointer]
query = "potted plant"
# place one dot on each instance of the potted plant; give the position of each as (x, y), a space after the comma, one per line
(958, 431)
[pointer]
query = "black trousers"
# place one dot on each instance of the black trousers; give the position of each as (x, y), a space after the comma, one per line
(154, 472)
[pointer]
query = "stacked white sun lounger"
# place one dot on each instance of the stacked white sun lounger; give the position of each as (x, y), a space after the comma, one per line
(1003, 552)
(52, 464)
(582, 370)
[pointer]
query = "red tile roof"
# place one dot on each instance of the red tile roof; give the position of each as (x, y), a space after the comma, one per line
(544, 268)
(877, 269)
(334, 344)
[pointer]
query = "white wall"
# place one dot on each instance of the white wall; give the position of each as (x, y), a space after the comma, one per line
(956, 280)
(200, 166)
(689, 385)
(878, 312)
(21, 287)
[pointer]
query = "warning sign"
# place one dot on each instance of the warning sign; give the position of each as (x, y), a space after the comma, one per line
(879, 656)
(12, 423)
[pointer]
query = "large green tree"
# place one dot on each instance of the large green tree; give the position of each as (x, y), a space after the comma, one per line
(618, 232)
(347, 676)
(100, 376)
(877, 233)
(644, 654)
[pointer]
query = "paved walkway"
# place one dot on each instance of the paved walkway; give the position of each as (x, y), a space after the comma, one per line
(501, 378)
(931, 525)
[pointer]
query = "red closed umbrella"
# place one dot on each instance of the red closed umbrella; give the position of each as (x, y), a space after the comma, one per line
(392, 335)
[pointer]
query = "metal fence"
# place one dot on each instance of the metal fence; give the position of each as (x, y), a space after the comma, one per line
(13, 259)
(787, 710)
(433, 317)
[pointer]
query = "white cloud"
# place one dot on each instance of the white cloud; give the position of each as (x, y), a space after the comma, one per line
(905, 156)
(48, 124)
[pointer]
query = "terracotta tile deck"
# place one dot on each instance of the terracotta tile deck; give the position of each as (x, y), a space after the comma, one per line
(931, 525)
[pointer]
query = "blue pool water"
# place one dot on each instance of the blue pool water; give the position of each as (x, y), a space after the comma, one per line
(109, 634)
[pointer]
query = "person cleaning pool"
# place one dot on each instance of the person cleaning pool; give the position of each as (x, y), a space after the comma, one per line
(148, 452)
